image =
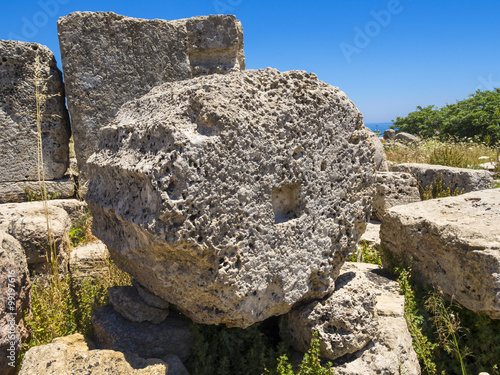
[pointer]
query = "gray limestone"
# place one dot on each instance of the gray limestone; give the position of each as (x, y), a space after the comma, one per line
(234, 196)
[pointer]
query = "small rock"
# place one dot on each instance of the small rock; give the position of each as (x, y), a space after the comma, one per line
(126, 300)
(150, 298)
(407, 138)
(390, 135)
(148, 340)
(75, 355)
(372, 233)
(90, 260)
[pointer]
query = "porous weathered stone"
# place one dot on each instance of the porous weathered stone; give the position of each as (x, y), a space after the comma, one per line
(20, 191)
(346, 321)
(454, 244)
(390, 135)
(148, 340)
(75, 208)
(126, 301)
(460, 180)
(76, 355)
(14, 301)
(234, 196)
(391, 350)
(18, 113)
(406, 138)
(110, 59)
(28, 224)
(393, 189)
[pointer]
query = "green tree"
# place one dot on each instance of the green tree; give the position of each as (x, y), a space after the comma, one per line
(478, 116)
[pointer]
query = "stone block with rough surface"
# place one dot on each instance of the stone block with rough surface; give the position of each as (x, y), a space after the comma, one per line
(18, 113)
(75, 355)
(361, 325)
(233, 197)
(109, 59)
(393, 189)
(454, 244)
(90, 260)
(126, 301)
(20, 191)
(14, 301)
(148, 340)
(461, 180)
(28, 224)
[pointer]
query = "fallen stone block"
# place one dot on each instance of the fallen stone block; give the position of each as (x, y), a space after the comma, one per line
(454, 244)
(90, 260)
(234, 197)
(24, 191)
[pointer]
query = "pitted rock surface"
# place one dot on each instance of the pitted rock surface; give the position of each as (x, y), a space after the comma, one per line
(234, 196)
(109, 59)
(453, 243)
(18, 114)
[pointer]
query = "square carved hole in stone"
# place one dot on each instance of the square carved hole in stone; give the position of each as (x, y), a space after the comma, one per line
(286, 203)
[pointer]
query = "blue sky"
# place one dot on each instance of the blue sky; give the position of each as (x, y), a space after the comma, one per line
(388, 56)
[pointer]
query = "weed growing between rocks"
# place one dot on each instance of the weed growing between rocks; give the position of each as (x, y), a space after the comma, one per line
(438, 190)
(447, 337)
(81, 232)
(62, 305)
(365, 253)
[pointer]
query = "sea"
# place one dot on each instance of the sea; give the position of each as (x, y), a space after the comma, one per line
(380, 126)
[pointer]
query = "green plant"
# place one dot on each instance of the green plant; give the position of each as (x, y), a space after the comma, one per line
(438, 190)
(448, 327)
(221, 350)
(36, 194)
(62, 305)
(477, 116)
(448, 156)
(311, 362)
(81, 232)
(365, 254)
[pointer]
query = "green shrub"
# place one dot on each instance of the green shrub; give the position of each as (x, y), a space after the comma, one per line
(438, 190)
(365, 254)
(81, 232)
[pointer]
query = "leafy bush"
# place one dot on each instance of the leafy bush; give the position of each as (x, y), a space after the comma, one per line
(477, 116)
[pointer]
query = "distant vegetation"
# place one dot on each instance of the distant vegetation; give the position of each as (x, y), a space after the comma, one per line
(477, 118)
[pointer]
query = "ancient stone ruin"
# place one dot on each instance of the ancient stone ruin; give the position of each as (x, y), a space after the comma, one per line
(29, 75)
(234, 197)
(109, 59)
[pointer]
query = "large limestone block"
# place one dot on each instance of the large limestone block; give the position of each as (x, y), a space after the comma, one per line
(110, 59)
(76, 355)
(393, 189)
(234, 196)
(461, 179)
(89, 260)
(28, 224)
(18, 127)
(455, 245)
(19, 191)
(146, 339)
(14, 301)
